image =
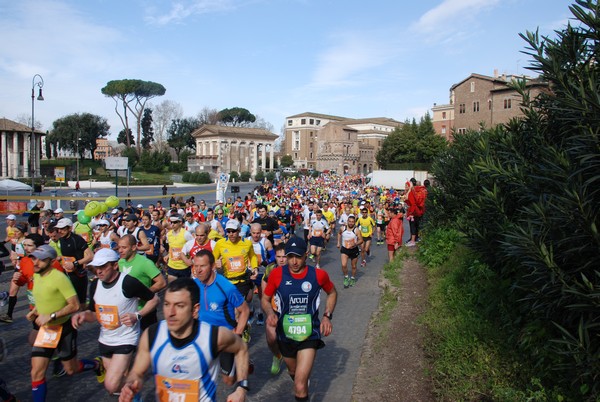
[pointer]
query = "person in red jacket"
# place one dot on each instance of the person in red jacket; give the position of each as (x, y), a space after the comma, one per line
(394, 231)
(416, 208)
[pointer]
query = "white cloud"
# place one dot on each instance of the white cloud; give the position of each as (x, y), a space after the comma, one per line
(440, 17)
(355, 53)
(183, 9)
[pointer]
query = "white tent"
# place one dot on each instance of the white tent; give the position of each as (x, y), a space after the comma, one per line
(13, 185)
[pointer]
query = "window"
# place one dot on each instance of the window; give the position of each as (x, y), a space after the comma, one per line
(462, 108)
(444, 115)
(290, 122)
(472, 86)
(295, 155)
(489, 104)
(443, 129)
(348, 136)
(462, 130)
(311, 133)
(318, 122)
(303, 121)
(507, 103)
(476, 106)
(296, 140)
(310, 145)
(312, 121)
(311, 155)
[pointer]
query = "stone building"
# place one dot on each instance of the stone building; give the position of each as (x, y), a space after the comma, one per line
(16, 148)
(227, 149)
(322, 142)
(483, 101)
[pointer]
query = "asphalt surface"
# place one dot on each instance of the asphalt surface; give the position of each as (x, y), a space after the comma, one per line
(333, 372)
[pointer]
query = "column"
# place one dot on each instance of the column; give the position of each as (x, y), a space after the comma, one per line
(254, 158)
(272, 159)
(229, 155)
(26, 156)
(264, 157)
(4, 156)
(15, 156)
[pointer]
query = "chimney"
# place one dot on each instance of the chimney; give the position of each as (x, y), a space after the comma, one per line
(495, 73)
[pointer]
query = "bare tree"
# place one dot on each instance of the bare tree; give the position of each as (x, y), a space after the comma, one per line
(208, 115)
(162, 116)
(25, 119)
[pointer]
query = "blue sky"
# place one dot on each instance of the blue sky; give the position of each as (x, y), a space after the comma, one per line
(276, 58)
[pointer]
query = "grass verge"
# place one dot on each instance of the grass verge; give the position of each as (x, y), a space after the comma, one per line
(471, 357)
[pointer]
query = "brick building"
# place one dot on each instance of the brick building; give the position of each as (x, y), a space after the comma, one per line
(482, 101)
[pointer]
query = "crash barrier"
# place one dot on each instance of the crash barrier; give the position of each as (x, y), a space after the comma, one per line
(14, 204)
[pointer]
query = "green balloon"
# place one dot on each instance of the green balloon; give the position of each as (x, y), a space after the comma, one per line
(83, 218)
(92, 208)
(112, 201)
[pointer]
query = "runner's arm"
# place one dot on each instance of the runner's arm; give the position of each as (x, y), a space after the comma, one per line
(243, 312)
(231, 343)
(145, 246)
(135, 379)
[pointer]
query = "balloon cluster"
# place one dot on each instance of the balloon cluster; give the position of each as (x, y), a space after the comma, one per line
(94, 208)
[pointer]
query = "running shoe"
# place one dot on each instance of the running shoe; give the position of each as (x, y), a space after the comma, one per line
(368, 252)
(6, 318)
(246, 334)
(352, 281)
(363, 263)
(3, 298)
(59, 369)
(260, 320)
(100, 371)
(2, 349)
(411, 244)
(276, 365)
(311, 256)
(346, 282)
(251, 317)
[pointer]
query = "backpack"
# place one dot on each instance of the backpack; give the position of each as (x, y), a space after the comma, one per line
(420, 196)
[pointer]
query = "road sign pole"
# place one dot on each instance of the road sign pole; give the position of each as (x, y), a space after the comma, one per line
(116, 183)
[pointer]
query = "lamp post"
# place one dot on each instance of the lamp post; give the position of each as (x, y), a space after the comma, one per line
(32, 144)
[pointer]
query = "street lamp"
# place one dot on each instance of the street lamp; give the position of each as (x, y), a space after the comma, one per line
(33, 143)
(77, 156)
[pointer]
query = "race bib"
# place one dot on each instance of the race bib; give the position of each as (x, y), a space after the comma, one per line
(108, 316)
(364, 229)
(176, 390)
(297, 327)
(175, 253)
(48, 336)
(236, 264)
(318, 233)
(350, 243)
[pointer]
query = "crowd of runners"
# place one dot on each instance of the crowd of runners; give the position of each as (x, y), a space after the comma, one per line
(214, 270)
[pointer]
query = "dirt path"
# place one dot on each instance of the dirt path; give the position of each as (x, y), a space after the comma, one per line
(393, 366)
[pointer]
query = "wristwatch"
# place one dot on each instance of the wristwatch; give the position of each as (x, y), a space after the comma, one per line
(53, 316)
(138, 316)
(328, 315)
(244, 384)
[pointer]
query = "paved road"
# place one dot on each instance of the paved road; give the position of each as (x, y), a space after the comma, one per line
(333, 374)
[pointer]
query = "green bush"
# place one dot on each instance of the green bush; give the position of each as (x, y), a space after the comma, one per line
(526, 196)
(234, 176)
(260, 176)
(177, 167)
(245, 176)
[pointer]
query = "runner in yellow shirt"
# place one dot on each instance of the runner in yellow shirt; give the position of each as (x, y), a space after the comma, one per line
(366, 224)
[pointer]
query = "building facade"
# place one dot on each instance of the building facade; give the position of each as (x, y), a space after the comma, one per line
(322, 142)
(481, 101)
(103, 149)
(17, 143)
(227, 149)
